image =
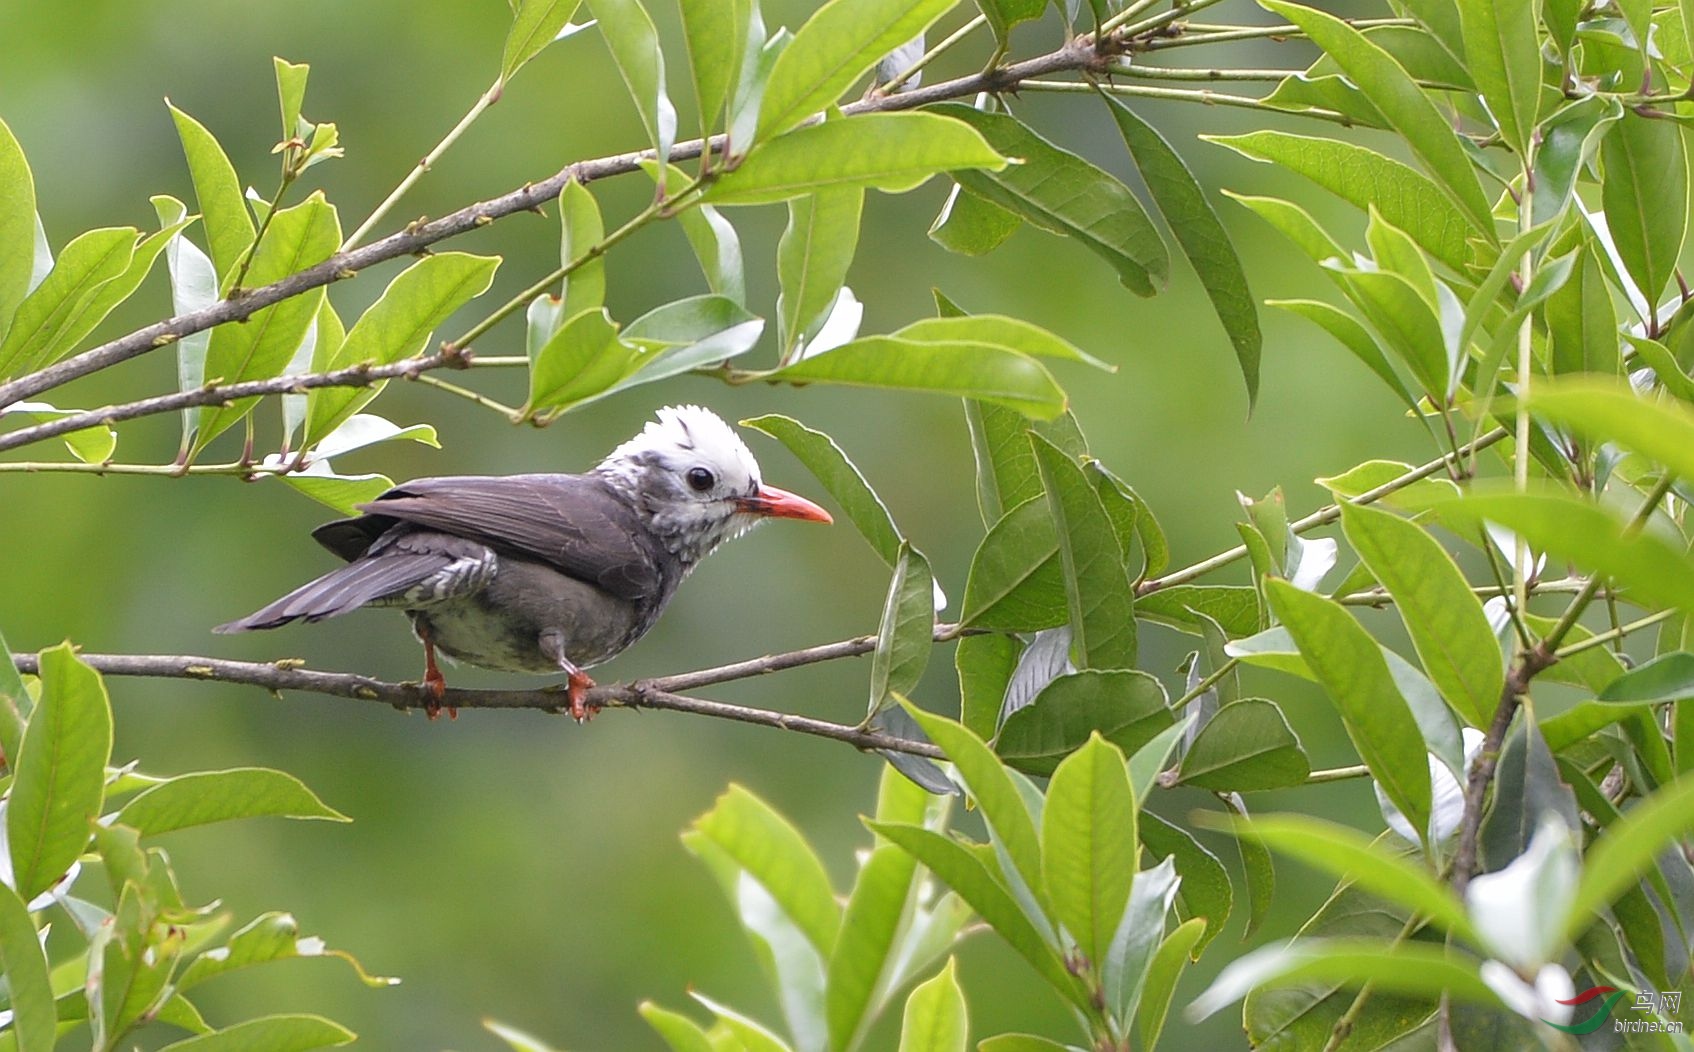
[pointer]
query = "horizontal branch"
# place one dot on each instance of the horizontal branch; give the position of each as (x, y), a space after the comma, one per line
(417, 237)
(224, 394)
(662, 692)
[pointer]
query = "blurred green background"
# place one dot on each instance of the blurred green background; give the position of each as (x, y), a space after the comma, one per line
(514, 865)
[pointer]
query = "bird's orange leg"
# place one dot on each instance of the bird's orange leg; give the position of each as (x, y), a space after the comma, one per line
(434, 682)
(579, 685)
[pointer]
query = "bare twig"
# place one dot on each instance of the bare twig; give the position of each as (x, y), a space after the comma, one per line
(1075, 55)
(663, 692)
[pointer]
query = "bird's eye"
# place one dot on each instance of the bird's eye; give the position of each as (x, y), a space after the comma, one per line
(700, 479)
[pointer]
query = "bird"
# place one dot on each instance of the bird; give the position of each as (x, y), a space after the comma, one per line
(544, 573)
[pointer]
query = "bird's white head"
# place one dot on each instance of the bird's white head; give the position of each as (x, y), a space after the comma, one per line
(696, 483)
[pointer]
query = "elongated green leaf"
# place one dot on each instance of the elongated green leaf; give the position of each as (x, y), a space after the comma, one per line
(272, 1033)
(17, 226)
(716, 32)
(999, 330)
(813, 256)
(584, 358)
(516, 1039)
(634, 43)
(1201, 235)
(1569, 139)
(60, 304)
(30, 992)
(1205, 893)
(1442, 614)
(1391, 89)
(1060, 192)
(936, 1018)
(263, 345)
(1407, 323)
(960, 869)
(1005, 465)
(1609, 410)
(1504, 55)
(1162, 974)
(1293, 222)
(223, 210)
(1126, 707)
(1016, 579)
(1088, 844)
(219, 796)
(907, 632)
(1101, 602)
(1364, 177)
(971, 225)
(1563, 526)
(835, 47)
(973, 370)
(1003, 15)
(893, 152)
(581, 229)
(1349, 664)
(863, 952)
(984, 664)
(1408, 968)
(1617, 860)
(398, 326)
(59, 773)
(830, 466)
(1351, 335)
(1645, 197)
(775, 854)
(1247, 745)
(535, 26)
(268, 937)
(14, 703)
(1022, 1043)
(681, 1033)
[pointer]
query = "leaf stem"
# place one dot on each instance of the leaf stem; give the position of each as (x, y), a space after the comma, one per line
(1602, 638)
(1337, 774)
(1192, 34)
(485, 100)
(511, 414)
(1130, 69)
(1203, 96)
(931, 55)
(1178, 12)
(283, 184)
(1205, 684)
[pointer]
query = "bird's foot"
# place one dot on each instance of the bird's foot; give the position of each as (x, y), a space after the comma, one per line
(579, 685)
(435, 684)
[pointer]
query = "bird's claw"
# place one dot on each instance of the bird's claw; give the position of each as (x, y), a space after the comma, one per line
(435, 687)
(579, 685)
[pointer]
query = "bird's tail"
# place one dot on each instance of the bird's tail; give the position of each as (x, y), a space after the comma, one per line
(348, 588)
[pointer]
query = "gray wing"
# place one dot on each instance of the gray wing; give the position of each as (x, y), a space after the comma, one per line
(574, 523)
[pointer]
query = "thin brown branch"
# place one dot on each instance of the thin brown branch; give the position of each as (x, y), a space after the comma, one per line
(1075, 55)
(663, 692)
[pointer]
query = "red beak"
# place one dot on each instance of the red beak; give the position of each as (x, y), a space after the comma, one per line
(781, 504)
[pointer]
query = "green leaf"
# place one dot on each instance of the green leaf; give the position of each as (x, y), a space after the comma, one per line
(893, 152)
(58, 311)
(835, 47)
(219, 796)
(1583, 324)
(271, 1033)
(812, 258)
(24, 963)
(1162, 974)
(1005, 465)
(1616, 861)
(746, 1034)
(1003, 15)
(999, 330)
(681, 1033)
(1351, 335)
(1568, 141)
(1247, 745)
(716, 33)
(1442, 614)
(1565, 527)
(290, 93)
(1061, 193)
(1200, 233)
(535, 26)
(581, 229)
(1097, 590)
(1503, 53)
(907, 631)
(1608, 409)
(261, 346)
(1668, 677)
(1350, 665)
(1405, 197)
(583, 359)
(936, 1019)
(396, 327)
(268, 937)
(1023, 1043)
(634, 44)
(1126, 707)
(1407, 968)
(862, 954)
(971, 225)
(217, 189)
(775, 854)
(516, 1039)
(14, 703)
(984, 664)
(59, 774)
(1393, 91)
(1088, 844)
(1293, 222)
(973, 370)
(1645, 197)
(957, 867)
(17, 226)
(830, 466)
(1205, 892)
(1407, 323)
